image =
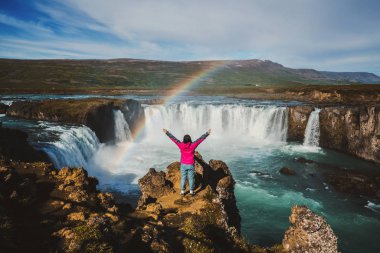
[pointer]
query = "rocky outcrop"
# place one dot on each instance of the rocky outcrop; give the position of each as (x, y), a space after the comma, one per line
(14, 146)
(47, 210)
(297, 121)
(207, 222)
(353, 130)
(3, 108)
(97, 114)
(308, 233)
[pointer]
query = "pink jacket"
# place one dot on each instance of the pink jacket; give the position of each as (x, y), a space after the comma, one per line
(187, 149)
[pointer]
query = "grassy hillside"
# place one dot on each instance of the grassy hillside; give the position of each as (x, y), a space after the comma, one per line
(144, 74)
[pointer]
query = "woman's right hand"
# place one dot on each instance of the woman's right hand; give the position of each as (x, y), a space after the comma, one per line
(209, 131)
(165, 131)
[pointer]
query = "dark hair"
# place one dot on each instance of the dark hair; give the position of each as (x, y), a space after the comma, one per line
(186, 138)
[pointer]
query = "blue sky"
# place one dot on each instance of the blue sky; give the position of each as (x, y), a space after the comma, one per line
(336, 35)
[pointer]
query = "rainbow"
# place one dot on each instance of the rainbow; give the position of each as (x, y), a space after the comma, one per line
(180, 88)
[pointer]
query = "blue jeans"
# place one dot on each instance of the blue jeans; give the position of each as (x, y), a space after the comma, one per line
(187, 170)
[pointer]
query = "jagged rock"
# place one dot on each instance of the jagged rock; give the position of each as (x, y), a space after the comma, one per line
(78, 216)
(106, 199)
(154, 185)
(76, 183)
(308, 233)
(287, 171)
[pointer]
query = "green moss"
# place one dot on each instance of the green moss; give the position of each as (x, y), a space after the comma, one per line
(96, 247)
(87, 233)
(196, 240)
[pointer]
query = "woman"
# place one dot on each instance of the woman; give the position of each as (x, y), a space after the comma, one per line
(187, 148)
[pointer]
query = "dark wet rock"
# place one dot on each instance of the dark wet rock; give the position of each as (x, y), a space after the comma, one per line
(353, 130)
(287, 171)
(354, 183)
(297, 121)
(133, 114)
(308, 233)
(14, 145)
(303, 160)
(101, 120)
(3, 108)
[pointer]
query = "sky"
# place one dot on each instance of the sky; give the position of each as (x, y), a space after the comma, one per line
(335, 35)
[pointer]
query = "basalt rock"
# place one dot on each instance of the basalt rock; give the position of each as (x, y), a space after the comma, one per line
(308, 233)
(14, 146)
(353, 130)
(297, 121)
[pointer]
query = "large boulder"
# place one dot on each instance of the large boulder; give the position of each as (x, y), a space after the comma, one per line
(308, 233)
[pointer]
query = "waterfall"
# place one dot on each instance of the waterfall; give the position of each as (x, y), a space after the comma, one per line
(74, 146)
(260, 123)
(122, 131)
(312, 129)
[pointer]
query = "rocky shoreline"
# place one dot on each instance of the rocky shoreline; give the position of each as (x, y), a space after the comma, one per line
(50, 210)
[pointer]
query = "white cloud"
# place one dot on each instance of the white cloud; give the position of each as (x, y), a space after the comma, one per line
(296, 33)
(20, 24)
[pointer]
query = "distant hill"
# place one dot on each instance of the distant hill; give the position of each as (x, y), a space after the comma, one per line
(131, 73)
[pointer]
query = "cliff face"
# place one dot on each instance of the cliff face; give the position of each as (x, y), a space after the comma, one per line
(297, 121)
(97, 114)
(354, 130)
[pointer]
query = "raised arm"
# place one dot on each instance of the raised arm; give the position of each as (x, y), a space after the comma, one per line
(202, 138)
(174, 139)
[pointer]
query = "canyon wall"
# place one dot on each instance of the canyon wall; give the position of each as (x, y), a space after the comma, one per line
(354, 130)
(97, 114)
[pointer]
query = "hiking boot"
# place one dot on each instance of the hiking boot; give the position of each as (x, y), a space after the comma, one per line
(192, 193)
(182, 193)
